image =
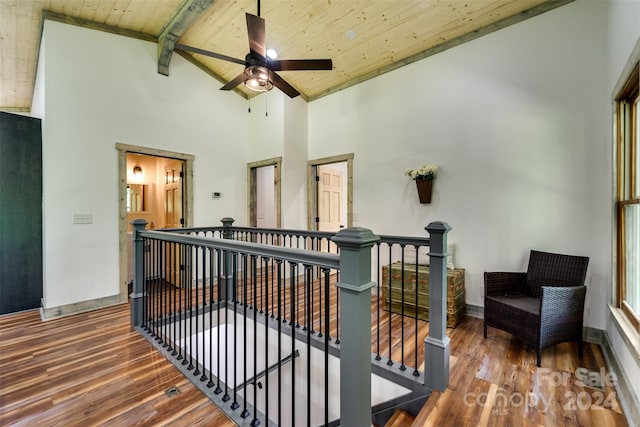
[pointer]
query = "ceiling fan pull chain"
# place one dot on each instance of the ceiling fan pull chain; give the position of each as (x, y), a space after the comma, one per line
(249, 99)
(266, 105)
(258, 7)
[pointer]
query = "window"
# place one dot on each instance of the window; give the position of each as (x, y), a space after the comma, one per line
(628, 197)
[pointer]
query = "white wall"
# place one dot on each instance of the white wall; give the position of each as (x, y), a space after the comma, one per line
(101, 89)
(265, 125)
(278, 127)
(37, 101)
(512, 119)
(294, 164)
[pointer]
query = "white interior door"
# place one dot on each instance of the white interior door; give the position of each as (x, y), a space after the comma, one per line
(173, 195)
(266, 197)
(330, 193)
(173, 219)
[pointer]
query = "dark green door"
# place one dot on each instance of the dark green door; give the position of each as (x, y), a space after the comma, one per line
(20, 213)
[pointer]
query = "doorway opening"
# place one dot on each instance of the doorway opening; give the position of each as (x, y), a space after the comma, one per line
(264, 193)
(154, 185)
(330, 193)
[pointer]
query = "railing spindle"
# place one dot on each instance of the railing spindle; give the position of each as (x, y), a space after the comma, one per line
(245, 268)
(167, 293)
(279, 308)
(267, 262)
(390, 361)
(174, 293)
(221, 283)
(378, 357)
(293, 285)
(235, 405)
(307, 286)
(416, 373)
(402, 366)
(255, 420)
(327, 324)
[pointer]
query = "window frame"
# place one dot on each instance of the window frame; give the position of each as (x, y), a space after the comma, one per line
(627, 146)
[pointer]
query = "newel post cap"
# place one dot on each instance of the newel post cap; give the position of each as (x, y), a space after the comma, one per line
(355, 237)
(227, 221)
(438, 227)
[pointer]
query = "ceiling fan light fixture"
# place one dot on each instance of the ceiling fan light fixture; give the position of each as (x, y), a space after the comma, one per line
(258, 79)
(272, 54)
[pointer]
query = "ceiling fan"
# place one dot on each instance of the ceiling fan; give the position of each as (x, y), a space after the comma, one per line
(260, 71)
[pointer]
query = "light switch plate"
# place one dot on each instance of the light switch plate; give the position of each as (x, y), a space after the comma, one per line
(82, 218)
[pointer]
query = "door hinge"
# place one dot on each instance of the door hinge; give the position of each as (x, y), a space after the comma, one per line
(317, 178)
(181, 174)
(181, 221)
(317, 219)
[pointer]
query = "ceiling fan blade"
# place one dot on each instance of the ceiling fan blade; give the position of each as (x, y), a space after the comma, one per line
(207, 53)
(256, 30)
(281, 84)
(301, 64)
(235, 82)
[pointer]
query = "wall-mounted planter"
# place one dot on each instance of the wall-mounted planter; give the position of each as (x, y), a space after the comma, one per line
(425, 187)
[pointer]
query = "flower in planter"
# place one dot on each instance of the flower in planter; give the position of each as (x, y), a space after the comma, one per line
(423, 172)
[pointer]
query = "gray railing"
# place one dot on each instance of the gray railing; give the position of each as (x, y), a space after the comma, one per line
(399, 297)
(188, 281)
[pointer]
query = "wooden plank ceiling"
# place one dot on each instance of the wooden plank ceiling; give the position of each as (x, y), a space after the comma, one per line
(364, 38)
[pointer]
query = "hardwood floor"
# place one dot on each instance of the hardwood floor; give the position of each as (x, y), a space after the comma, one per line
(495, 382)
(94, 369)
(91, 369)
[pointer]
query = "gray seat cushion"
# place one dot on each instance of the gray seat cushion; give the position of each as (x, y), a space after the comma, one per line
(521, 302)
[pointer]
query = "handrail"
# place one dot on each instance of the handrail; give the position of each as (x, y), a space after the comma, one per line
(302, 256)
(384, 238)
(255, 380)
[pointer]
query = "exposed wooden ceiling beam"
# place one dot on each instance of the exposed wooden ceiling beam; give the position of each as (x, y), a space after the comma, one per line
(167, 39)
(86, 23)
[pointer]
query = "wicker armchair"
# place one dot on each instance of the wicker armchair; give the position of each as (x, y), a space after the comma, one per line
(543, 306)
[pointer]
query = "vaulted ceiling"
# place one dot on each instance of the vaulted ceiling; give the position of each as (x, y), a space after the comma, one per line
(364, 38)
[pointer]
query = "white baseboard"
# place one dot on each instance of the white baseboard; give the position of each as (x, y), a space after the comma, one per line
(626, 396)
(78, 307)
(475, 311)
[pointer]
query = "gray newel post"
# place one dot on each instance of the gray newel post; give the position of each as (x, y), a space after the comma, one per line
(355, 325)
(437, 344)
(138, 296)
(226, 291)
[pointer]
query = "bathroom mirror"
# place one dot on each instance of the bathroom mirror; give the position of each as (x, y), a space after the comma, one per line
(137, 197)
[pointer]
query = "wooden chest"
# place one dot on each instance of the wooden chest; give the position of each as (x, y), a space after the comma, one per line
(455, 292)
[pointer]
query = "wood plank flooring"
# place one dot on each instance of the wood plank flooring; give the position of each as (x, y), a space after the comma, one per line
(495, 382)
(93, 369)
